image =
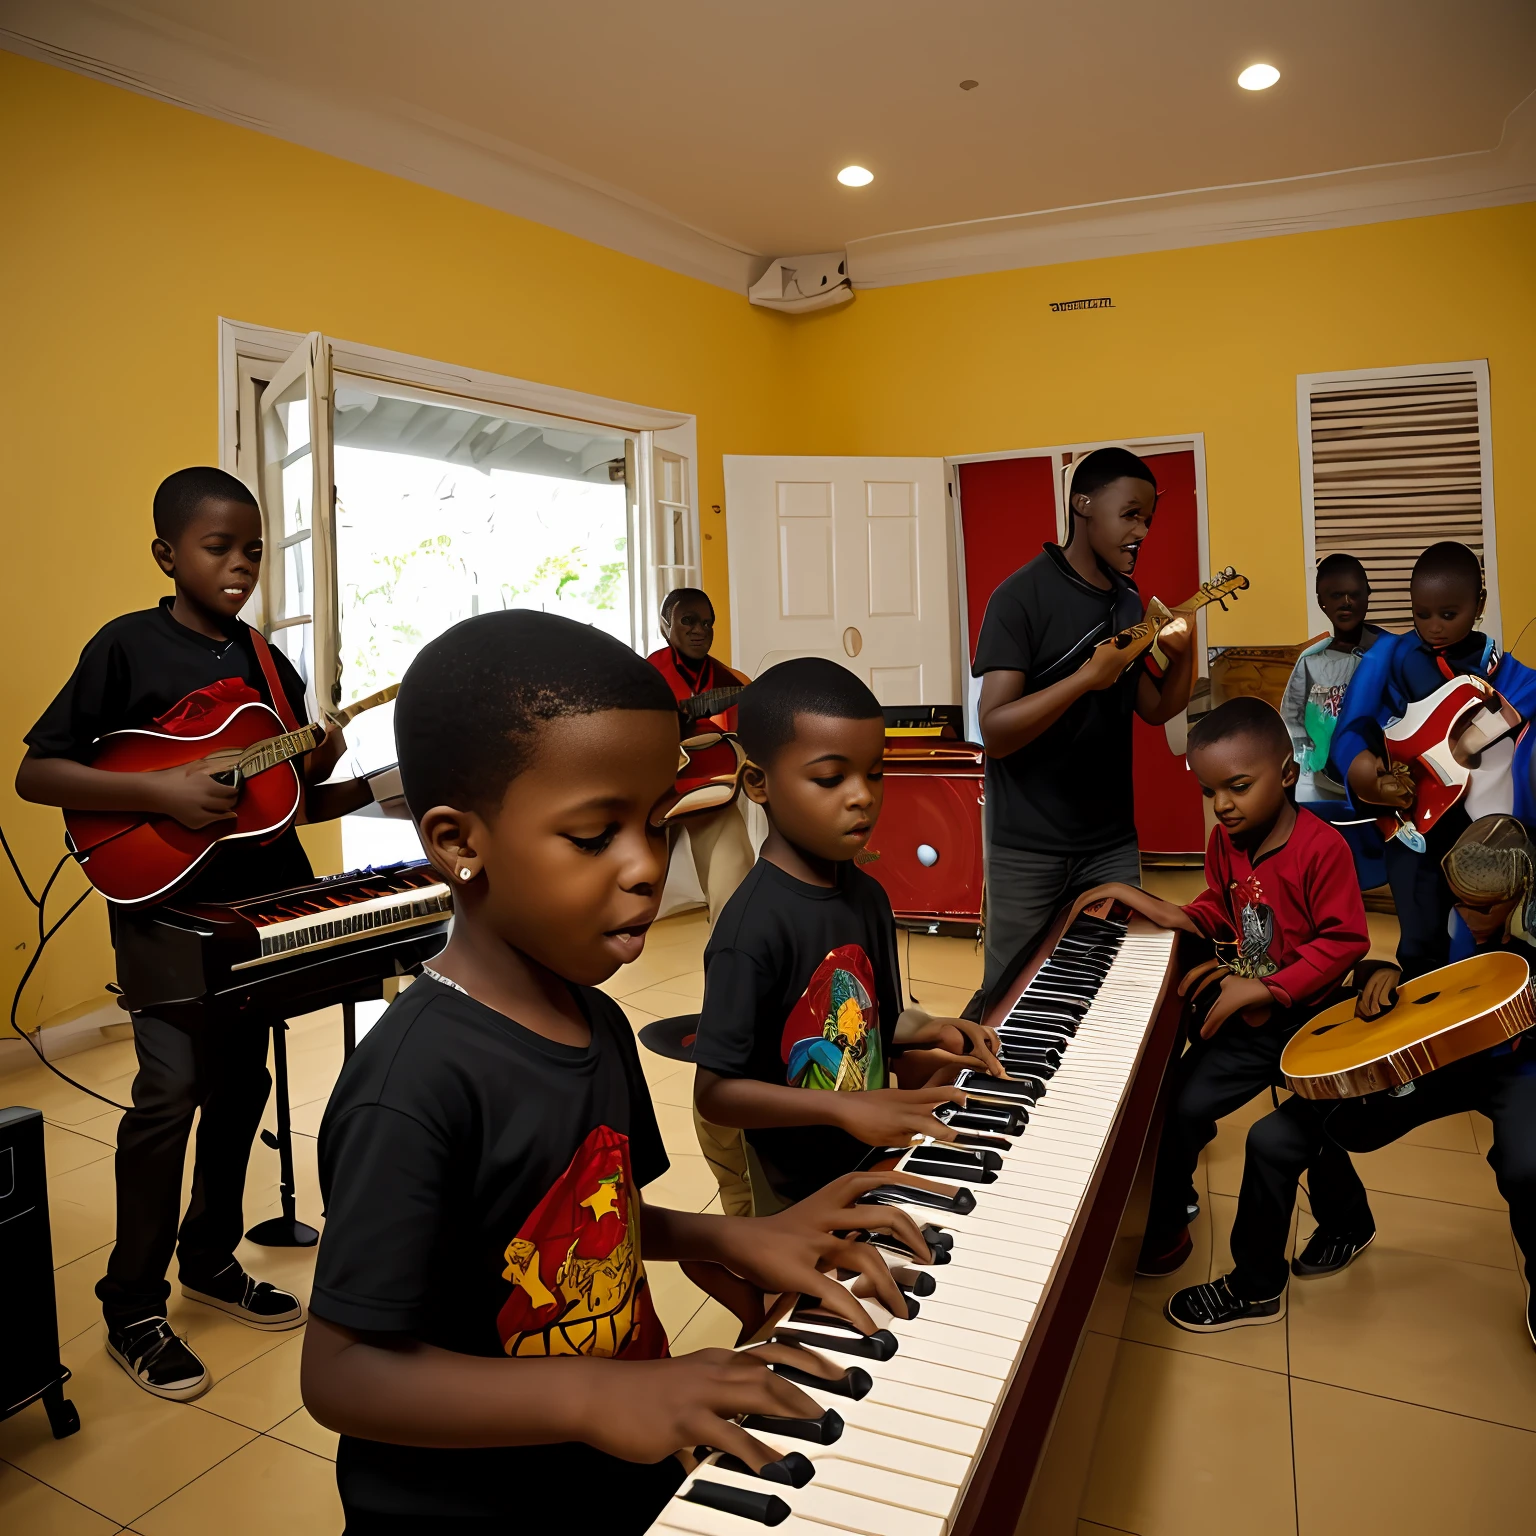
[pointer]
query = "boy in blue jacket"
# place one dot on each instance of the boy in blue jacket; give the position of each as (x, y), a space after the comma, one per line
(1447, 596)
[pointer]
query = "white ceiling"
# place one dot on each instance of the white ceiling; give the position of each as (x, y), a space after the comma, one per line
(731, 118)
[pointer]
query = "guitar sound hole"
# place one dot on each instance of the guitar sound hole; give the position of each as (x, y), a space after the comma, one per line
(1428, 997)
(1324, 1030)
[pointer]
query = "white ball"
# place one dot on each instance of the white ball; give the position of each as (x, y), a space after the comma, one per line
(927, 856)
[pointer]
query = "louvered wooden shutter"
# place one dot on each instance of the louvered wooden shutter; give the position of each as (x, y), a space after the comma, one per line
(1395, 465)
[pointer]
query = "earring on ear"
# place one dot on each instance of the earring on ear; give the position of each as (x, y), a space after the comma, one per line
(466, 874)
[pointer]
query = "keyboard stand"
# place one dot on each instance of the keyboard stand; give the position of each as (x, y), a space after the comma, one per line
(286, 1231)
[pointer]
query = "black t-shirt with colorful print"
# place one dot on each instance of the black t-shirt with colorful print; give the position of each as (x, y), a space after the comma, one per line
(481, 1189)
(802, 988)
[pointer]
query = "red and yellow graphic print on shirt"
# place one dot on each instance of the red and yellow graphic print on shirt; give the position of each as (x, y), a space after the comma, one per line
(578, 1284)
(831, 1038)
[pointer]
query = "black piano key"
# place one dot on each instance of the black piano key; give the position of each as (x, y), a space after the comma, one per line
(928, 1169)
(1023, 1090)
(997, 1119)
(961, 1157)
(879, 1345)
(793, 1470)
(937, 1238)
(827, 1430)
(915, 1282)
(889, 1244)
(961, 1203)
(854, 1383)
(765, 1508)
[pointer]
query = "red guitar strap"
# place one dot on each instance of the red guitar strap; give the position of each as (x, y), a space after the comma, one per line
(274, 683)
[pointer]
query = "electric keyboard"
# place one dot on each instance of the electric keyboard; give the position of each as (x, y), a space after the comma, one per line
(939, 1427)
(286, 953)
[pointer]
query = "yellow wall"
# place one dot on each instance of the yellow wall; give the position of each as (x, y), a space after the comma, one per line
(131, 226)
(1207, 340)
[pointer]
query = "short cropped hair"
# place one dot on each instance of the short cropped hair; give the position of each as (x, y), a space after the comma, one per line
(1340, 564)
(681, 595)
(1245, 716)
(1448, 558)
(181, 494)
(1106, 465)
(806, 685)
(472, 702)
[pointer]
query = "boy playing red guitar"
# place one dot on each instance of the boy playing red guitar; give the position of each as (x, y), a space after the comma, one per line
(135, 670)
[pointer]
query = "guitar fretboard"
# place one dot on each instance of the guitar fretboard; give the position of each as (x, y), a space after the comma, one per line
(278, 749)
(709, 703)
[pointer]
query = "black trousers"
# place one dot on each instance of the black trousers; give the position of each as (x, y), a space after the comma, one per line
(220, 1075)
(1502, 1087)
(1421, 896)
(1213, 1078)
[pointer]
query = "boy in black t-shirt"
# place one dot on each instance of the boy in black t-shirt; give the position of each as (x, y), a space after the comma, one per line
(483, 1152)
(801, 985)
(1056, 705)
(208, 540)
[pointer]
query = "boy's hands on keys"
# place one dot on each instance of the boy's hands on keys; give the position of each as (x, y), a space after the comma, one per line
(193, 796)
(954, 1042)
(893, 1117)
(1246, 995)
(793, 1251)
(646, 1410)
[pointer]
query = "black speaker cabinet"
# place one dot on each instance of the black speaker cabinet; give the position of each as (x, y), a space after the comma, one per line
(29, 1364)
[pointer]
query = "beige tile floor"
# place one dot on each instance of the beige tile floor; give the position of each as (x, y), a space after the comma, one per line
(1415, 1358)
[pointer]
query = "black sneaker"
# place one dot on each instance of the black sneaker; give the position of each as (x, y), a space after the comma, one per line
(1327, 1253)
(257, 1303)
(1213, 1308)
(159, 1360)
(1191, 1211)
(1164, 1255)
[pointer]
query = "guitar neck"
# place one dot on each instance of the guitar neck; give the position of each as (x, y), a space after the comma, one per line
(274, 750)
(709, 703)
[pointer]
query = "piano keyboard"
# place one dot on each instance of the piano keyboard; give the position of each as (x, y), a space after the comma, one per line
(898, 1458)
(321, 921)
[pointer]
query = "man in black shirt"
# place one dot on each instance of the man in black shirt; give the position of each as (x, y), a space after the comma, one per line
(135, 669)
(1055, 710)
(801, 985)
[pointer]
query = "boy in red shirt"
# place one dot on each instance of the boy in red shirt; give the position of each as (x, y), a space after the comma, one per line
(1283, 908)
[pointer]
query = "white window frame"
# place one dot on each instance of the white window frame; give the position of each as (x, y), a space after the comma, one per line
(1188, 442)
(250, 354)
(1492, 622)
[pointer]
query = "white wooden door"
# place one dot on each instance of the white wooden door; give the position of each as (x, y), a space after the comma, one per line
(849, 558)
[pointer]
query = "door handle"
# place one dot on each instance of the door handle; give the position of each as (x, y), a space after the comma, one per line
(853, 641)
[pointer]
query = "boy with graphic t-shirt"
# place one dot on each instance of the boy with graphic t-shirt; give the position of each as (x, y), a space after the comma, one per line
(801, 985)
(1284, 910)
(482, 1333)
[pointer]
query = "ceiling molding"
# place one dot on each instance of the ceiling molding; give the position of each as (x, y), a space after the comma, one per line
(184, 68)
(1210, 215)
(144, 56)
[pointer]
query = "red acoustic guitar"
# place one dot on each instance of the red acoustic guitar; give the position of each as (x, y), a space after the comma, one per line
(132, 858)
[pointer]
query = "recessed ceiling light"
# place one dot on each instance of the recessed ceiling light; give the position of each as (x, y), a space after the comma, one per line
(855, 176)
(1258, 77)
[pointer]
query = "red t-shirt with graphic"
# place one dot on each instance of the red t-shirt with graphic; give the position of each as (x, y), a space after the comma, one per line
(1294, 920)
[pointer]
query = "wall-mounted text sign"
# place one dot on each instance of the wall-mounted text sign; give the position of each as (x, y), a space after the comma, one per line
(1058, 309)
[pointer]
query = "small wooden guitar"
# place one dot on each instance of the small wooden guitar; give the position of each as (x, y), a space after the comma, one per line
(132, 858)
(1143, 635)
(1444, 1016)
(1437, 745)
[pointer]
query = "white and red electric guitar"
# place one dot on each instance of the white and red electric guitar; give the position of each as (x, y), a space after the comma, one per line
(1438, 742)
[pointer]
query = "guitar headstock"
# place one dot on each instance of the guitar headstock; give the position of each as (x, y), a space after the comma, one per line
(1222, 585)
